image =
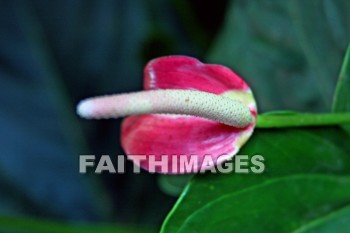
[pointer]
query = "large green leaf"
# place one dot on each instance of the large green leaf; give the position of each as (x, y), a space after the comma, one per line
(293, 156)
(288, 51)
(341, 101)
(53, 54)
(278, 205)
(40, 135)
(338, 221)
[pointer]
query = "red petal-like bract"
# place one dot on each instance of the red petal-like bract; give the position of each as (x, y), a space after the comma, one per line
(171, 137)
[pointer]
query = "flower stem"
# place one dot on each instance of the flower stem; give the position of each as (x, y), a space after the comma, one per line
(302, 120)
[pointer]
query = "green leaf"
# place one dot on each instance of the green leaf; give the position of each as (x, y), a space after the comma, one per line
(341, 101)
(282, 48)
(20, 224)
(338, 221)
(257, 208)
(46, 66)
(342, 93)
(40, 135)
(310, 19)
(291, 156)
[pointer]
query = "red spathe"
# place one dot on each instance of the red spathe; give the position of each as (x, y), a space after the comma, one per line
(161, 134)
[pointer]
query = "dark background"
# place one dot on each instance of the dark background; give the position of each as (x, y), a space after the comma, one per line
(55, 53)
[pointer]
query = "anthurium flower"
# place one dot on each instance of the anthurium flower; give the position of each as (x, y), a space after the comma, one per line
(188, 110)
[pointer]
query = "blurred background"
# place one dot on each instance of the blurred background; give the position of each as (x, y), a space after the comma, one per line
(55, 53)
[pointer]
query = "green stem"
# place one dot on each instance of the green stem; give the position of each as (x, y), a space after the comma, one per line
(302, 120)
